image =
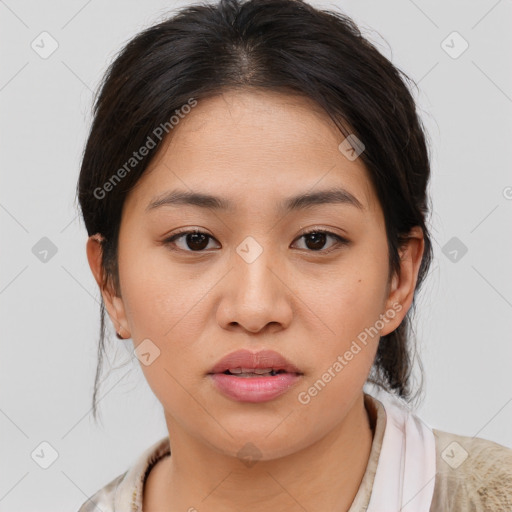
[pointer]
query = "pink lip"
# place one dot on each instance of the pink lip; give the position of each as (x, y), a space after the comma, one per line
(254, 389)
(248, 359)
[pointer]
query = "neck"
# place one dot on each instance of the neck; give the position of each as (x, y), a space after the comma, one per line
(323, 476)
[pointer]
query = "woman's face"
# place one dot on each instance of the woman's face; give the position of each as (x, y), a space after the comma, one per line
(253, 280)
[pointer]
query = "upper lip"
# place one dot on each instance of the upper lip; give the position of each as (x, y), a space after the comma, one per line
(248, 359)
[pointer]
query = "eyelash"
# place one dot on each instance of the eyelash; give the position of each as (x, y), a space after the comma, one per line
(340, 241)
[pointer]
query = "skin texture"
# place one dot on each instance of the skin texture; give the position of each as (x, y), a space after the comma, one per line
(256, 149)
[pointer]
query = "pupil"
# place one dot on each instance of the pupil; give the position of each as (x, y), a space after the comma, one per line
(197, 241)
(318, 240)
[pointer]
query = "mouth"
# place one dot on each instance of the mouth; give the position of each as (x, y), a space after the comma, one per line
(246, 376)
(253, 372)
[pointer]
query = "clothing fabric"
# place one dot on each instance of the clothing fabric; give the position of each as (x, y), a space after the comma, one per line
(405, 481)
(469, 474)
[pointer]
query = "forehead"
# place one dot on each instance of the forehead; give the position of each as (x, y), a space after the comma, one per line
(254, 144)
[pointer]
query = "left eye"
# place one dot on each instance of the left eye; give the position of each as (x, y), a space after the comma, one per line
(315, 240)
(197, 241)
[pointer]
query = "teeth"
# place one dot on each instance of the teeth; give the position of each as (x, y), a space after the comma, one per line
(251, 371)
(259, 371)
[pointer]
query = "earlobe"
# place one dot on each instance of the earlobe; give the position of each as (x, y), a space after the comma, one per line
(113, 303)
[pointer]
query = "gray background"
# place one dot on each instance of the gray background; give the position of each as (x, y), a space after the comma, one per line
(50, 310)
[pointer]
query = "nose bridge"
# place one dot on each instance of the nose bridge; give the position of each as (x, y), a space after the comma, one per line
(252, 262)
(256, 296)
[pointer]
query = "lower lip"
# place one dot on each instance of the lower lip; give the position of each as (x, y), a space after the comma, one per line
(254, 389)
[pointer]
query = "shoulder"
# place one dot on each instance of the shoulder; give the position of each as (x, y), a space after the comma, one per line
(471, 474)
(125, 492)
(104, 499)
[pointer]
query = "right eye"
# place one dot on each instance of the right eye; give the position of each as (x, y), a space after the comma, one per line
(191, 241)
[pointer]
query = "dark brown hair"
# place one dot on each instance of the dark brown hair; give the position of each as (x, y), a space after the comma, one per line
(278, 45)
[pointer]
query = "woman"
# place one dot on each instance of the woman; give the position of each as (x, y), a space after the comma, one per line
(254, 190)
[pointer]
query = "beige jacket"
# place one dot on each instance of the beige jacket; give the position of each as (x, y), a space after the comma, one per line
(472, 474)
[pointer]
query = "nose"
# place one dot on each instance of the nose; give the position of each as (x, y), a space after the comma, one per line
(255, 296)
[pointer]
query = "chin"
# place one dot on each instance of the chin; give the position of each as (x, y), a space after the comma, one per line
(260, 444)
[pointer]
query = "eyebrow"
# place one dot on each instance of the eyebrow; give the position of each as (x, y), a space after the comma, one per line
(298, 202)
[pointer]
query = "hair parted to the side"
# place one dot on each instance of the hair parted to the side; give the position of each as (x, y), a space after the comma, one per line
(278, 45)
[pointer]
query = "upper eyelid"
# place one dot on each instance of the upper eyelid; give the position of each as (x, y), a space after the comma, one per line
(312, 229)
(307, 232)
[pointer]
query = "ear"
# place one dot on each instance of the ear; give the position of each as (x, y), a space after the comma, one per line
(113, 303)
(401, 290)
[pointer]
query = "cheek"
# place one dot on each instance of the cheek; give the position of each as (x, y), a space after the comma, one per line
(167, 307)
(349, 307)
(161, 300)
(351, 298)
